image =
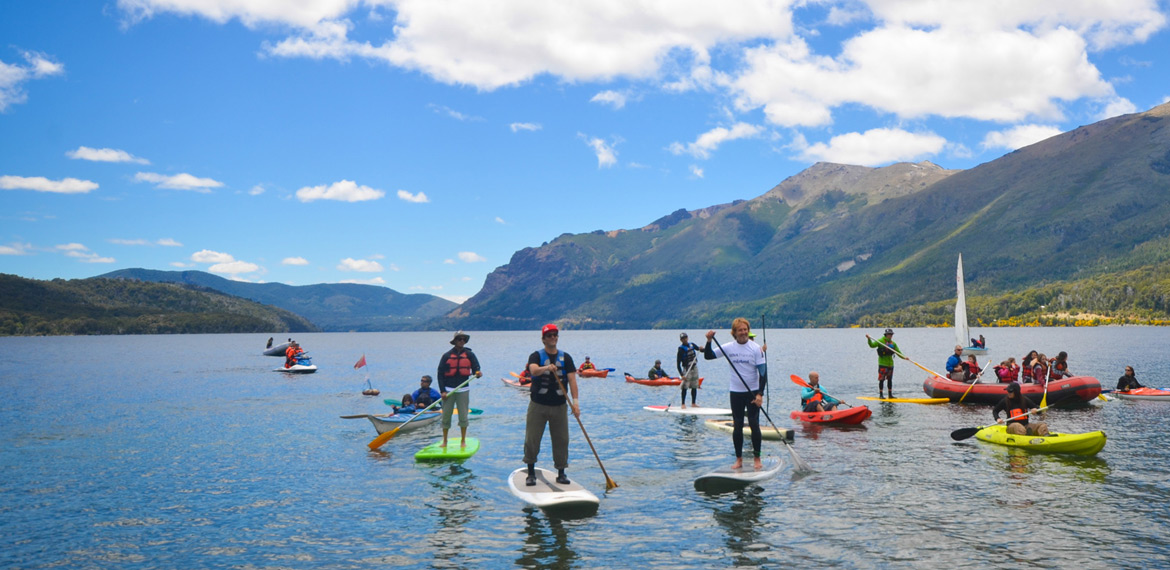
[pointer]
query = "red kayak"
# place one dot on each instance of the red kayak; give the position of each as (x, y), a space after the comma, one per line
(675, 381)
(854, 415)
(1144, 394)
(594, 373)
(1066, 391)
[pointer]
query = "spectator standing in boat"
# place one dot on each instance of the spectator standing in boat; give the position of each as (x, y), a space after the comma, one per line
(455, 367)
(749, 377)
(425, 395)
(886, 348)
(813, 400)
(1128, 381)
(954, 366)
(656, 371)
(1059, 367)
(552, 373)
(1017, 408)
(687, 363)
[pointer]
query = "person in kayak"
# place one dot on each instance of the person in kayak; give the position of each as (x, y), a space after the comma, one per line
(1128, 381)
(954, 366)
(586, 365)
(1017, 408)
(1059, 367)
(886, 349)
(407, 406)
(749, 377)
(552, 373)
(813, 400)
(656, 371)
(687, 363)
(455, 367)
(425, 395)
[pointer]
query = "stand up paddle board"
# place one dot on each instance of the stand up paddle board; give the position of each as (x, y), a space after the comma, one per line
(693, 410)
(547, 493)
(728, 479)
(453, 452)
(767, 432)
(907, 400)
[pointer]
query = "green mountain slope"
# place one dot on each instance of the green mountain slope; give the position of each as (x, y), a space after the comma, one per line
(836, 244)
(332, 307)
(112, 306)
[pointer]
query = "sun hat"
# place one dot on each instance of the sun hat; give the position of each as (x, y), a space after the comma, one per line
(466, 337)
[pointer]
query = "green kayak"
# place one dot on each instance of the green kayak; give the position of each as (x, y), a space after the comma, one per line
(452, 452)
(1088, 443)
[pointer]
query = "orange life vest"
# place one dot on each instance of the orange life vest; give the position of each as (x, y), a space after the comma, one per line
(458, 365)
(1013, 412)
(1056, 372)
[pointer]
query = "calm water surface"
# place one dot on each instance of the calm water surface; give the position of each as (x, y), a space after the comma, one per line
(189, 452)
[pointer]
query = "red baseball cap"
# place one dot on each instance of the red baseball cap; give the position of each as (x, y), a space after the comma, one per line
(549, 328)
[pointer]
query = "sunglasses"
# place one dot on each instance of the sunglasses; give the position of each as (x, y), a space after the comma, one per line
(552, 334)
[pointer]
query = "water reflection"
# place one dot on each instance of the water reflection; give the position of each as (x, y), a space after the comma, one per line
(546, 544)
(456, 507)
(740, 519)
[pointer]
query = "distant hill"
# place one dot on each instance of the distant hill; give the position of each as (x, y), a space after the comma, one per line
(1075, 223)
(332, 307)
(29, 307)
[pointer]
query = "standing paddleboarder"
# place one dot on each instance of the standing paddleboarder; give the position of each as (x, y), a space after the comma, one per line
(455, 367)
(886, 347)
(749, 377)
(687, 362)
(548, 405)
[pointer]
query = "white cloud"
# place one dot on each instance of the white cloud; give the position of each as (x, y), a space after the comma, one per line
(500, 220)
(208, 256)
(710, 140)
(873, 147)
(374, 281)
(42, 184)
(471, 257)
(417, 198)
(181, 264)
(104, 155)
(696, 171)
(612, 98)
(1019, 136)
(256, 190)
(343, 191)
(129, 241)
(15, 249)
(517, 127)
(14, 76)
(294, 261)
(1117, 106)
(362, 265)
(82, 253)
(182, 181)
(457, 299)
(443, 110)
(448, 261)
(234, 267)
(606, 154)
(168, 242)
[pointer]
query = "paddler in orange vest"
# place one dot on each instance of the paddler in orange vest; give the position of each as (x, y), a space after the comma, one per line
(1017, 408)
(813, 400)
(456, 366)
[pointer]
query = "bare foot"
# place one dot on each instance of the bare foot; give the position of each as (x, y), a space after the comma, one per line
(463, 443)
(758, 464)
(444, 445)
(738, 464)
(684, 406)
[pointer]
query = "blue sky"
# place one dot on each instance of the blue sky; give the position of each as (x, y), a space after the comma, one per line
(417, 144)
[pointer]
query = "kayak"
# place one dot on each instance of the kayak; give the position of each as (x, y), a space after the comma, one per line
(453, 452)
(1144, 394)
(385, 423)
(515, 383)
(472, 413)
(907, 400)
(854, 415)
(727, 479)
(1074, 390)
(1088, 443)
(768, 432)
(594, 373)
(693, 410)
(673, 381)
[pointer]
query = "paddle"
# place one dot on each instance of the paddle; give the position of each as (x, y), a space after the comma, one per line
(797, 463)
(976, 381)
(764, 334)
(928, 371)
(383, 438)
(801, 382)
(965, 433)
(608, 369)
(609, 483)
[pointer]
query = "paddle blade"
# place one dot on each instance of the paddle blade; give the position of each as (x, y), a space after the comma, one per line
(798, 381)
(383, 438)
(610, 484)
(514, 375)
(964, 433)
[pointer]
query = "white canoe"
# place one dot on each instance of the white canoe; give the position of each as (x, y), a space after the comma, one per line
(766, 431)
(386, 422)
(693, 410)
(548, 494)
(727, 479)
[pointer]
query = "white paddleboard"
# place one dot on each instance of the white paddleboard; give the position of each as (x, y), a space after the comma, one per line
(726, 478)
(693, 410)
(547, 493)
(766, 431)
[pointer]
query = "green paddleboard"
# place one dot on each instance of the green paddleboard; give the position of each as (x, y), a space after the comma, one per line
(452, 452)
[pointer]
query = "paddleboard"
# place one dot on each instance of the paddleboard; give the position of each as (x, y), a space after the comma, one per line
(693, 410)
(452, 452)
(907, 400)
(547, 493)
(767, 432)
(728, 479)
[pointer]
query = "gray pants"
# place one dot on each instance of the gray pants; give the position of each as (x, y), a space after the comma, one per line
(557, 418)
(456, 400)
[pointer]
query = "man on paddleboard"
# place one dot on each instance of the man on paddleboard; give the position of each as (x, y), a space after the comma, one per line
(687, 363)
(552, 373)
(455, 367)
(886, 348)
(749, 377)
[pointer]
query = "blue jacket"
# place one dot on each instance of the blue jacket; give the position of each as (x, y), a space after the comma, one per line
(954, 361)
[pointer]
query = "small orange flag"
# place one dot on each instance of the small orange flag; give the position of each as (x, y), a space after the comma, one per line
(360, 363)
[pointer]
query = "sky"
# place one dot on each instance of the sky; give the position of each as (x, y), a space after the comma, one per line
(417, 144)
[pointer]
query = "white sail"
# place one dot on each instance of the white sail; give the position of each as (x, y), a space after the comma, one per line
(961, 329)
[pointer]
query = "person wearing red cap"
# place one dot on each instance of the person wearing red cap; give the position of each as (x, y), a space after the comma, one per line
(552, 373)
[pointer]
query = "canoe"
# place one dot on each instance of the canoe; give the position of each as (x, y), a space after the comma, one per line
(768, 432)
(672, 381)
(692, 411)
(277, 350)
(1066, 391)
(1144, 394)
(385, 423)
(726, 479)
(854, 415)
(594, 373)
(515, 383)
(907, 400)
(1074, 443)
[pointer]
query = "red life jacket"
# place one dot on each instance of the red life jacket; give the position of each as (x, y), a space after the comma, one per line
(1013, 412)
(458, 365)
(1056, 372)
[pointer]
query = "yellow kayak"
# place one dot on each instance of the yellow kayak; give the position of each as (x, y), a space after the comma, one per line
(1088, 443)
(907, 400)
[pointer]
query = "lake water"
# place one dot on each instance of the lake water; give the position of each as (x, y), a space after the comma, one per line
(189, 452)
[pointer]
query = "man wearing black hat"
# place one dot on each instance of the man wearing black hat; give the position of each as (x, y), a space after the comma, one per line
(688, 368)
(455, 367)
(886, 348)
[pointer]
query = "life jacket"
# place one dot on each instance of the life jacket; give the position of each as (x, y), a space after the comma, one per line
(884, 350)
(556, 386)
(974, 369)
(1056, 372)
(587, 366)
(816, 397)
(1013, 412)
(458, 365)
(1039, 373)
(688, 354)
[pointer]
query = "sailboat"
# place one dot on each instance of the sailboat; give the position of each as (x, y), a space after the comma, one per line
(962, 333)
